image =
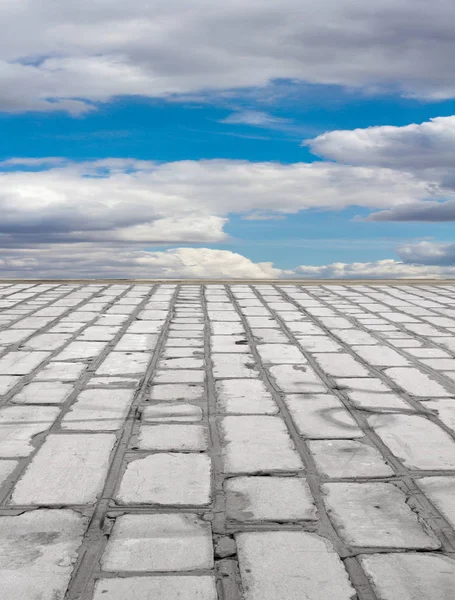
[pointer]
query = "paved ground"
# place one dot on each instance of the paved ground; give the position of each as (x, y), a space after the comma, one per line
(256, 442)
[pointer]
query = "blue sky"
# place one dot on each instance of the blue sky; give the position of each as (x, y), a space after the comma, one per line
(203, 140)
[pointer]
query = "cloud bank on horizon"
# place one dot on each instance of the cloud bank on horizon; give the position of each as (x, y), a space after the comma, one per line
(97, 214)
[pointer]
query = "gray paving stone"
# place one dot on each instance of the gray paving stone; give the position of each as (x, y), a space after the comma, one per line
(355, 336)
(381, 356)
(125, 363)
(162, 587)
(181, 363)
(305, 328)
(114, 382)
(61, 371)
(239, 366)
(291, 564)
(176, 391)
(134, 342)
(80, 351)
(20, 424)
(186, 328)
(7, 382)
(447, 342)
(405, 343)
(428, 353)
(415, 440)
(224, 316)
(244, 396)
(371, 393)
(318, 343)
(176, 342)
(66, 328)
(99, 410)
(281, 354)
(159, 542)
(152, 315)
(47, 341)
(269, 336)
(13, 336)
(410, 576)
(229, 343)
(440, 364)
(110, 320)
(68, 469)
(172, 412)
(219, 328)
(157, 305)
(340, 365)
(141, 327)
(21, 363)
(297, 379)
(162, 471)
(321, 416)
(6, 469)
(440, 490)
(179, 376)
(257, 443)
(45, 392)
(32, 323)
(173, 437)
(253, 499)
(99, 333)
(375, 515)
(167, 479)
(189, 335)
(38, 552)
(348, 458)
(183, 352)
(444, 408)
(79, 316)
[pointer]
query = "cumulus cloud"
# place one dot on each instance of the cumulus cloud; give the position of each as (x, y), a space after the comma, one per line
(429, 253)
(380, 269)
(92, 261)
(87, 260)
(61, 218)
(426, 150)
(416, 146)
(186, 201)
(92, 51)
(427, 211)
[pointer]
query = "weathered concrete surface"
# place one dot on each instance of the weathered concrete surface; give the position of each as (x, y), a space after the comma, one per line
(241, 441)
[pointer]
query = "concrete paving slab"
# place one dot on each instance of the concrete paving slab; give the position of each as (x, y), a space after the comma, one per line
(169, 479)
(159, 542)
(275, 430)
(292, 565)
(164, 587)
(251, 499)
(410, 576)
(38, 552)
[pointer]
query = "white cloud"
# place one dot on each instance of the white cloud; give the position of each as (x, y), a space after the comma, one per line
(65, 57)
(428, 211)
(429, 253)
(380, 269)
(416, 147)
(87, 260)
(259, 216)
(186, 201)
(255, 118)
(61, 218)
(91, 261)
(426, 150)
